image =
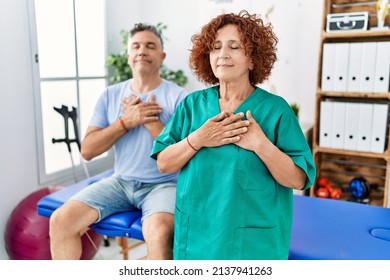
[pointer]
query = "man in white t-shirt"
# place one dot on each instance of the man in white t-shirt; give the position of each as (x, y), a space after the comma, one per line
(128, 117)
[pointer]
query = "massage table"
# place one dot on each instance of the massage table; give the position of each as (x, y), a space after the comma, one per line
(328, 229)
(122, 225)
(323, 229)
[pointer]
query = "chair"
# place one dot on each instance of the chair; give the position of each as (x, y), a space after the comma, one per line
(120, 225)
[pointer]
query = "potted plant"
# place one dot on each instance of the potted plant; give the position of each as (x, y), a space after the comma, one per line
(295, 107)
(121, 70)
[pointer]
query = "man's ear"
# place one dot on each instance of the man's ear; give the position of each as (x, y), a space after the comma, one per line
(163, 56)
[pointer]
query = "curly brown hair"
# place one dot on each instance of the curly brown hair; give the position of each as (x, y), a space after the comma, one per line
(258, 39)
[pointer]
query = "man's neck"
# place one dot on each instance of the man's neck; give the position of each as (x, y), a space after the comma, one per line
(145, 84)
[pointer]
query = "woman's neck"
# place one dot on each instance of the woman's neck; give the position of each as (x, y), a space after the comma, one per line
(229, 91)
(231, 96)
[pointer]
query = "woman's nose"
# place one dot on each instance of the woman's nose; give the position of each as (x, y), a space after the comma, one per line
(224, 54)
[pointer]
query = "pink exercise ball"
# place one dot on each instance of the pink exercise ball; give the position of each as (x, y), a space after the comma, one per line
(27, 233)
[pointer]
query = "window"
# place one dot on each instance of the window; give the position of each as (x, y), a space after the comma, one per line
(68, 46)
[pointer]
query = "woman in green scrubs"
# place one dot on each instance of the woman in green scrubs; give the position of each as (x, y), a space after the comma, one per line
(240, 149)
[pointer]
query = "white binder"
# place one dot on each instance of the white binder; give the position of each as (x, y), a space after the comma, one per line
(341, 67)
(351, 125)
(328, 62)
(382, 67)
(367, 74)
(379, 127)
(365, 124)
(354, 67)
(338, 125)
(326, 112)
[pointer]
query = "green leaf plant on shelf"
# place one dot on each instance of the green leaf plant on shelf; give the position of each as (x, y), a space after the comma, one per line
(295, 107)
(121, 70)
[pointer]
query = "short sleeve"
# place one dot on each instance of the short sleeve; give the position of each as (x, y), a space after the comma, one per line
(292, 141)
(99, 117)
(172, 132)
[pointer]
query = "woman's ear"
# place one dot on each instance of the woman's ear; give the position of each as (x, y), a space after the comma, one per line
(251, 66)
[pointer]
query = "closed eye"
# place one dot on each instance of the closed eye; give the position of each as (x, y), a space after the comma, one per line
(234, 45)
(151, 46)
(217, 46)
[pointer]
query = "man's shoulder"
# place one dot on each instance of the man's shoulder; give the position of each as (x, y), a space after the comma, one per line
(172, 86)
(118, 86)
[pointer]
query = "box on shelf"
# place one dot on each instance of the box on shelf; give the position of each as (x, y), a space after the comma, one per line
(342, 22)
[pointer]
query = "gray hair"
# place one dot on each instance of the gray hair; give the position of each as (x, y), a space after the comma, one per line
(138, 27)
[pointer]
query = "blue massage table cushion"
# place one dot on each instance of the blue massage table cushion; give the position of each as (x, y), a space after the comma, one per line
(124, 224)
(328, 229)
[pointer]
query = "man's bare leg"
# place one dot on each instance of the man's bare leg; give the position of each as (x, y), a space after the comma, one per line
(67, 224)
(158, 234)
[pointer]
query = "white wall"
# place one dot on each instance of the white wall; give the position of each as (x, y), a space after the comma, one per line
(18, 167)
(297, 24)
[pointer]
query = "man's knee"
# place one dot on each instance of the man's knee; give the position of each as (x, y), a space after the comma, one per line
(72, 218)
(158, 227)
(59, 221)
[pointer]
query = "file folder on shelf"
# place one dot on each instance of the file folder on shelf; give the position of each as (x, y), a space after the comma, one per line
(338, 125)
(382, 67)
(368, 67)
(341, 67)
(379, 127)
(328, 62)
(351, 125)
(326, 112)
(354, 67)
(365, 124)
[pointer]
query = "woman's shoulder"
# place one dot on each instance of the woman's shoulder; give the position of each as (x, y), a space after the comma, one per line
(201, 94)
(269, 96)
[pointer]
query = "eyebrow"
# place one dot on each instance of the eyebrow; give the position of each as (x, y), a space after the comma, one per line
(144, 43)
(229, 42)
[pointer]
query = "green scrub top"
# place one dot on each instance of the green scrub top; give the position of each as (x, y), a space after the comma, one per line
(228, 206)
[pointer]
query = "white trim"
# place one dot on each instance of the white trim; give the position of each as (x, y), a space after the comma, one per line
(65, 176)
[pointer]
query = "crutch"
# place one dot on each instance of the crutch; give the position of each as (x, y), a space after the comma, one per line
(73, 117)
(66, 114)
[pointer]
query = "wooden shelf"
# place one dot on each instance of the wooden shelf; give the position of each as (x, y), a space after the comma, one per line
(385, 156)
(356, 35)
(354, 94)
(340, 166)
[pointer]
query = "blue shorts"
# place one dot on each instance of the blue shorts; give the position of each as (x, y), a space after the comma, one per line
(112, 195)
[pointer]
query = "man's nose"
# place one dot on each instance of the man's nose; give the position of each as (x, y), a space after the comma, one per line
(142, 51)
